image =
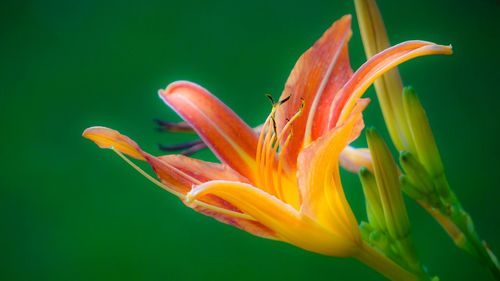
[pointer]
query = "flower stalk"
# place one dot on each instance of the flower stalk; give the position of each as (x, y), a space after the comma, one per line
(374, 37)
(385, 266)
(424, 177)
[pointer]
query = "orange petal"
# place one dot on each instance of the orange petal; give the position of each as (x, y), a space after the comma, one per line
(288, 224)
(323, 198)
(375, 67)
(108, 138)
(315, 79)
(179, 173)
(202, 171)
(233, 141)
(173, 178)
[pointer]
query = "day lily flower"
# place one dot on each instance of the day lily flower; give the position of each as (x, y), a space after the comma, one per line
(282, 183)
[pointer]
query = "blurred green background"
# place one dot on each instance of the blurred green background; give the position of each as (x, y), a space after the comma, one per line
(70, 211)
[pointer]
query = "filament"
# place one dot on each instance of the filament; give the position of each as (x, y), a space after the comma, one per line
(181, 195)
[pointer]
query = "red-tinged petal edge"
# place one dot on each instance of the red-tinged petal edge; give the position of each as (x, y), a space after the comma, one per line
(179, 173)
(375, 67)
(315, 80)
(231, 140)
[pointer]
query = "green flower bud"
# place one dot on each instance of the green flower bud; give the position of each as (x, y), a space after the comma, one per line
(388, 87)
(387, 179)
(374, 208)
(416, 175)
(423, 139)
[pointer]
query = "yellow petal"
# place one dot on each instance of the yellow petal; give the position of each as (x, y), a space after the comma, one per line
(288, 224)
(108, 138)
(323, 198)
(178, 173)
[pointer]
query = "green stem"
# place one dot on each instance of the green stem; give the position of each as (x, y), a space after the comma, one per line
(409, 255)
(384, 265)
(485, 254)
(459, 226)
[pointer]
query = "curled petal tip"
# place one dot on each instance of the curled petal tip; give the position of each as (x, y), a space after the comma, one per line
(88, 131)
(450, 47)
(95, 134)
(160, 93)
(443, 49)
(112, 139)
(177, 85)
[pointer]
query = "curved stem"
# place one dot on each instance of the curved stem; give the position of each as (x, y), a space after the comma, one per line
(379, 262)
(462, 232)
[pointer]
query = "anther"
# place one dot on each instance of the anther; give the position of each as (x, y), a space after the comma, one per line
(187, 148)
(167, 126)
(270, 98)
(285, 99)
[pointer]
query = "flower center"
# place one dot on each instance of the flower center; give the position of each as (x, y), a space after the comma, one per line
(272, 175)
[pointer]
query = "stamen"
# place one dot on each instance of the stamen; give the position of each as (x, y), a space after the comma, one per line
(269, 162)
(290, 122)
(261, 149)
(275, 130)
(279, 171)
(148, 176)
(260, 145)
(270, 98)
(181, 146)
(285, 99)
(168, 126)
(194, 148)
(280, 165)
(180, 195)
(265, 156)
(270, 174)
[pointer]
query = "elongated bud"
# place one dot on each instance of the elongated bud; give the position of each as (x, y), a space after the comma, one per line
(389, 87)
(426, 148)
(416, 173)
(387, 178)
(374, 208)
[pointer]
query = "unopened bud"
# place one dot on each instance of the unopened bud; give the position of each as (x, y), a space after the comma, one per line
(426, 148)
(387, 178)
(416, 173)
(374, 209)
(389, 87)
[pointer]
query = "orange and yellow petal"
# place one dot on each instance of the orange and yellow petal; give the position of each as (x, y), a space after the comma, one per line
(232, 141)
(314, 81)
(288, 224)
(179, 173)
(375, 67)
(323, 198)
(108, 138)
